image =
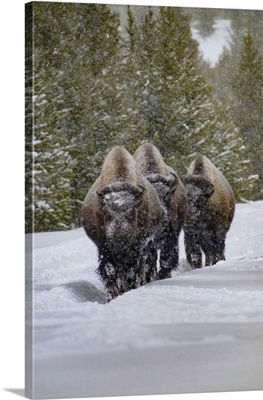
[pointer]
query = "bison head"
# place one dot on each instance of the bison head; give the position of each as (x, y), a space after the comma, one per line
(198, 190)
(165, 186)
(120, 202)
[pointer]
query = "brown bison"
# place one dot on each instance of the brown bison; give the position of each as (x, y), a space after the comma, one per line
(173, 199)
(121, 213)
(210, 210)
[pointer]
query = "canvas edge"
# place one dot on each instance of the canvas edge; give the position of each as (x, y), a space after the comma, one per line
(29, 194)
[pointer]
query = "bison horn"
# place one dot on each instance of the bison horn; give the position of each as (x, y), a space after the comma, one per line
(142, 188)
(209, 189)
(174, 182)
(139, 196)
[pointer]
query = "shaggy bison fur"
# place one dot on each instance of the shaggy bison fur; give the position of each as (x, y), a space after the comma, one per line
(121, 214)
(210, 210)
(173, 200)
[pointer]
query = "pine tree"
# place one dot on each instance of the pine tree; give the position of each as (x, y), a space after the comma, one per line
(248, 107)
(94, 92)
(93, 89)
(52, 163)
(236, 81)
(228, 152)
(28, 118)
(139, 82)
(176, 109)
(77, 103)
(185, 94)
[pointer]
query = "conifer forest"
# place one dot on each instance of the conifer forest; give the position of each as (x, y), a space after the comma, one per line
(100, 75)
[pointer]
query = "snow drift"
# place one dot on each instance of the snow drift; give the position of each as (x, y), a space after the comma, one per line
(200, 331)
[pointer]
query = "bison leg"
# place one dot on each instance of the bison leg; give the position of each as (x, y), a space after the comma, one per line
(120, 273)
(130, 270)
(169, 256)
(150, 262)
(207, 245)
(133, 268)
(165, 273)
(111, 271)
(117, 278)
(214, 247)
(107, 274)
(193, 250)
(218, 248)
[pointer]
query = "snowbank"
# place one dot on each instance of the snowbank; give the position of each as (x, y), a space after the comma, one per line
(200, 331)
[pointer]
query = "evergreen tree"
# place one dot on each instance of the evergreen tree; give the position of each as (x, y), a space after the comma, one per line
(237, 83)
(28, 118)
(52, 163)
(94, 92)
(175, 107)
(77, 101)
(140, 82)
(185, 94)
(94, 89)
(248, 107)
(228, 152)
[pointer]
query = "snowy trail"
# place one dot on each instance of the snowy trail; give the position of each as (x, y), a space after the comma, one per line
(200, 331)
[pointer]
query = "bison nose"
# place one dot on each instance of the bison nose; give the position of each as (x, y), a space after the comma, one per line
(119, 227)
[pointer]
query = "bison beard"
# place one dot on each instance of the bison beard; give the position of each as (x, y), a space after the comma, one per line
(121, 267)
(124, 270)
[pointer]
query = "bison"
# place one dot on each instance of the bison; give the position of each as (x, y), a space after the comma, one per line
(210, 211)
(120, 214)
(173, 200)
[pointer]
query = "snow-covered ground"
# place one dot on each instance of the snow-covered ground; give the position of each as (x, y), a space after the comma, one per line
(200, 331)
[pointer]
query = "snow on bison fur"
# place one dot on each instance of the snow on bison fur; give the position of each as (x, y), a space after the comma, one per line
(173, 200)
(121, 214)
(210, 210)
